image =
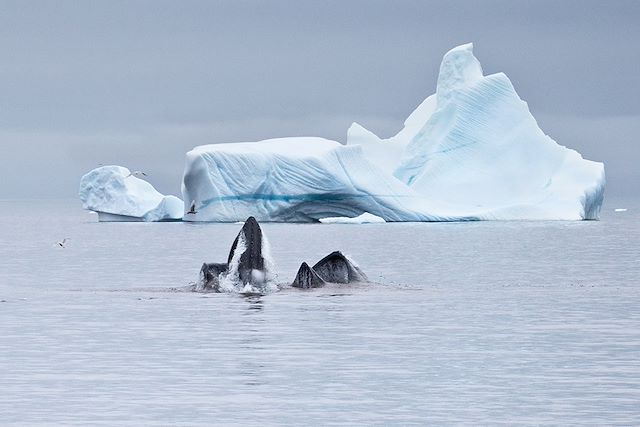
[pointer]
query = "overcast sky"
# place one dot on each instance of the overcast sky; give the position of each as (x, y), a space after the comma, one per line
(139, 83)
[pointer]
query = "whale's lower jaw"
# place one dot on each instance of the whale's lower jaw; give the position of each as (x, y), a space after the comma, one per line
(213, 274)
(307, 278)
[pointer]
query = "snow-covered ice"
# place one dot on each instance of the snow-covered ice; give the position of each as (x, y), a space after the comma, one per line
(480, 153)
(291, 179)
(117, 195)
(471, 151)
(365, 218)
(387, 153)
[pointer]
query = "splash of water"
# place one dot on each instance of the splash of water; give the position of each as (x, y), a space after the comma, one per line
(262, 282)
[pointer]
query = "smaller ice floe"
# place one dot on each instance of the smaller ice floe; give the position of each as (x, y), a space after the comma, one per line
(365, 218)
(620, 210)
(117, 194)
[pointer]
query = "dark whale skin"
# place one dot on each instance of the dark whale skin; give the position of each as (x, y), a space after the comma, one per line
(251, 258)
(336, 268)
(306, 278)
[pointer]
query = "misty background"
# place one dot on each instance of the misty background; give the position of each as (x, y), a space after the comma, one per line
(139, 83)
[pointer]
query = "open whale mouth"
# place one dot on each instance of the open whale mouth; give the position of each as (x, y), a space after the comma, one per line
(246, 270)
(249, 268)
(334, 268)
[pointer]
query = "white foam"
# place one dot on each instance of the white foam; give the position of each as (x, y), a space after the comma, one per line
(230, 281)
(262, 282)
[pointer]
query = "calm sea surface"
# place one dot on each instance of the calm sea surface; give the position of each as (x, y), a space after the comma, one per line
(530, 323)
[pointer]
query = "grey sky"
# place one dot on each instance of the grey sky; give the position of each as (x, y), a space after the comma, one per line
(139, 83)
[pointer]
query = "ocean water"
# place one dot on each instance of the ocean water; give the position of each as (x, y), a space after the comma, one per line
(485, 323)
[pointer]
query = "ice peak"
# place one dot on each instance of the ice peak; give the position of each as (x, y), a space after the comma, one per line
(471, 151)
(358, 134)
(459, 68)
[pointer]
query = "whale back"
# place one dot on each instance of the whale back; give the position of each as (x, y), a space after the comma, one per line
(337, 268)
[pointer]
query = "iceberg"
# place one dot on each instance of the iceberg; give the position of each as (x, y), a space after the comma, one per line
(118, 195)
(387, 153)
(297, 179)
(480, 153)
(471, 151)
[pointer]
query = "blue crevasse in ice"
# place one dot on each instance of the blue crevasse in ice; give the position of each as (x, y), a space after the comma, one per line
(472, 151)
(290, 179)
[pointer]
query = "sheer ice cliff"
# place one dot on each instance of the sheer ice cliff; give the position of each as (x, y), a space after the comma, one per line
(472, 151)
(117, 195)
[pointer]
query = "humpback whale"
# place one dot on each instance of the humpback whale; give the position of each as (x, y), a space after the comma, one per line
(245, 261)
(334, 268)
(246, 265)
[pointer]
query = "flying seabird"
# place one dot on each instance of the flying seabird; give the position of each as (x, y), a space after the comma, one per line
(192, 209)
(136, 174)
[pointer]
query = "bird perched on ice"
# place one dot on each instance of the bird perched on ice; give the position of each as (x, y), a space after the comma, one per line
(64, 241)
(137, 174)
(192, 209)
